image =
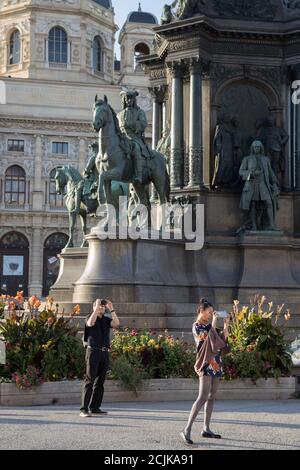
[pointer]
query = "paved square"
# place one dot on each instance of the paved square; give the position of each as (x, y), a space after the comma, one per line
(243, 425)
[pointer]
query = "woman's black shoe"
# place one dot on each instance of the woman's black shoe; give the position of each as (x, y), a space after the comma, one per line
(186, 439)
(211, 435)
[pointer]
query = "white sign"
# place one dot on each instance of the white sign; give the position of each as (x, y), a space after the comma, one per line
(2, 353)
(13, 265)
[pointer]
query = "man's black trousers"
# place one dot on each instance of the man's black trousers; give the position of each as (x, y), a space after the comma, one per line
(97, 363)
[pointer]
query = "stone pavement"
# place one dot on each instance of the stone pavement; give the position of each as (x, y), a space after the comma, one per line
(243, 424)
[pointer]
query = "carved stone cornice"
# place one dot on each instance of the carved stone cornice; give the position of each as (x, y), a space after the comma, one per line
(158, 73)
(67, 126)
(183, 44)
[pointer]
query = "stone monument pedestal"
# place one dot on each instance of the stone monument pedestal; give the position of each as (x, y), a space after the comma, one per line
(141, 271)
(159, 283)
(72, 264)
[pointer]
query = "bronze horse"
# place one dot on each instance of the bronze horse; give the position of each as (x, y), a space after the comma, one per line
(88, 203)
(114, 160)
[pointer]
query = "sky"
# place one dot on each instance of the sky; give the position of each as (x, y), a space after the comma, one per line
(124, 7)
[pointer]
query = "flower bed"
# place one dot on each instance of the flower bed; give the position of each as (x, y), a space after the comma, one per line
(40, 346)
(44, 346)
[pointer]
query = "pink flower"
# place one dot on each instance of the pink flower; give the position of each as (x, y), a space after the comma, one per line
(134, 333)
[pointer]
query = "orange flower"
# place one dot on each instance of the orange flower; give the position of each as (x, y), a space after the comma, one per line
(287, 316)
(76, 310)
(32, 300)
(20, 296)
(50, 300)
(37, 304)
(51, 320)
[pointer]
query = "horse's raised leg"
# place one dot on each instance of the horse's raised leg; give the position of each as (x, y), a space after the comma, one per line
(83, 219)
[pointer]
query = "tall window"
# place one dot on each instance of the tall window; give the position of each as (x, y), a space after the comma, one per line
(97, 55)
(55, 200)
(14, 48)
(14, 145)
(14, 251)
(58, 45)
(15, 186)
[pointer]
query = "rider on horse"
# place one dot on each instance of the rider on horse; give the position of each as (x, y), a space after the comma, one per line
(88, 187)
(133, 122)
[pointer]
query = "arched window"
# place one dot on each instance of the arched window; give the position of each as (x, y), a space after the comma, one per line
(58, 45)
(14, 251)
(53, 246)
(15, 186)
(55, 200)
(14, 240)
(14, 48)
(140, 50)
(97, 55)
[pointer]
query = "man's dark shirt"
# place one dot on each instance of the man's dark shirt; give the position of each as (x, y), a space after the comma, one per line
(98, 335)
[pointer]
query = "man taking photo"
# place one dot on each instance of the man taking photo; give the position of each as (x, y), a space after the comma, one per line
(97, 338)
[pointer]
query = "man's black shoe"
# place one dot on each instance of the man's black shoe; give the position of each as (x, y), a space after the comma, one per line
(99, 412)
(84, 414)
(211, 435)
(186, 439)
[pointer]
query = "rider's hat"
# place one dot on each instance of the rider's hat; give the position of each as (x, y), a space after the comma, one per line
(132, 93)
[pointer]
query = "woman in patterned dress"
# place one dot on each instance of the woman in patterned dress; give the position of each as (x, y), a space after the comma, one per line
(208, 367)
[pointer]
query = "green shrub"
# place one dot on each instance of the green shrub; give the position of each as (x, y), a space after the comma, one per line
(129, 372)
(160, 356)
(258, 348)
(48, 343)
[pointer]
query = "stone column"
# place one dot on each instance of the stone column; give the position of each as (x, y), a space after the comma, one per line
(176, 163)
(37, 194)
(296, 131)
(155, 124)
(36, 263)
(158, 94)
(164, 116)
(196, 131)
